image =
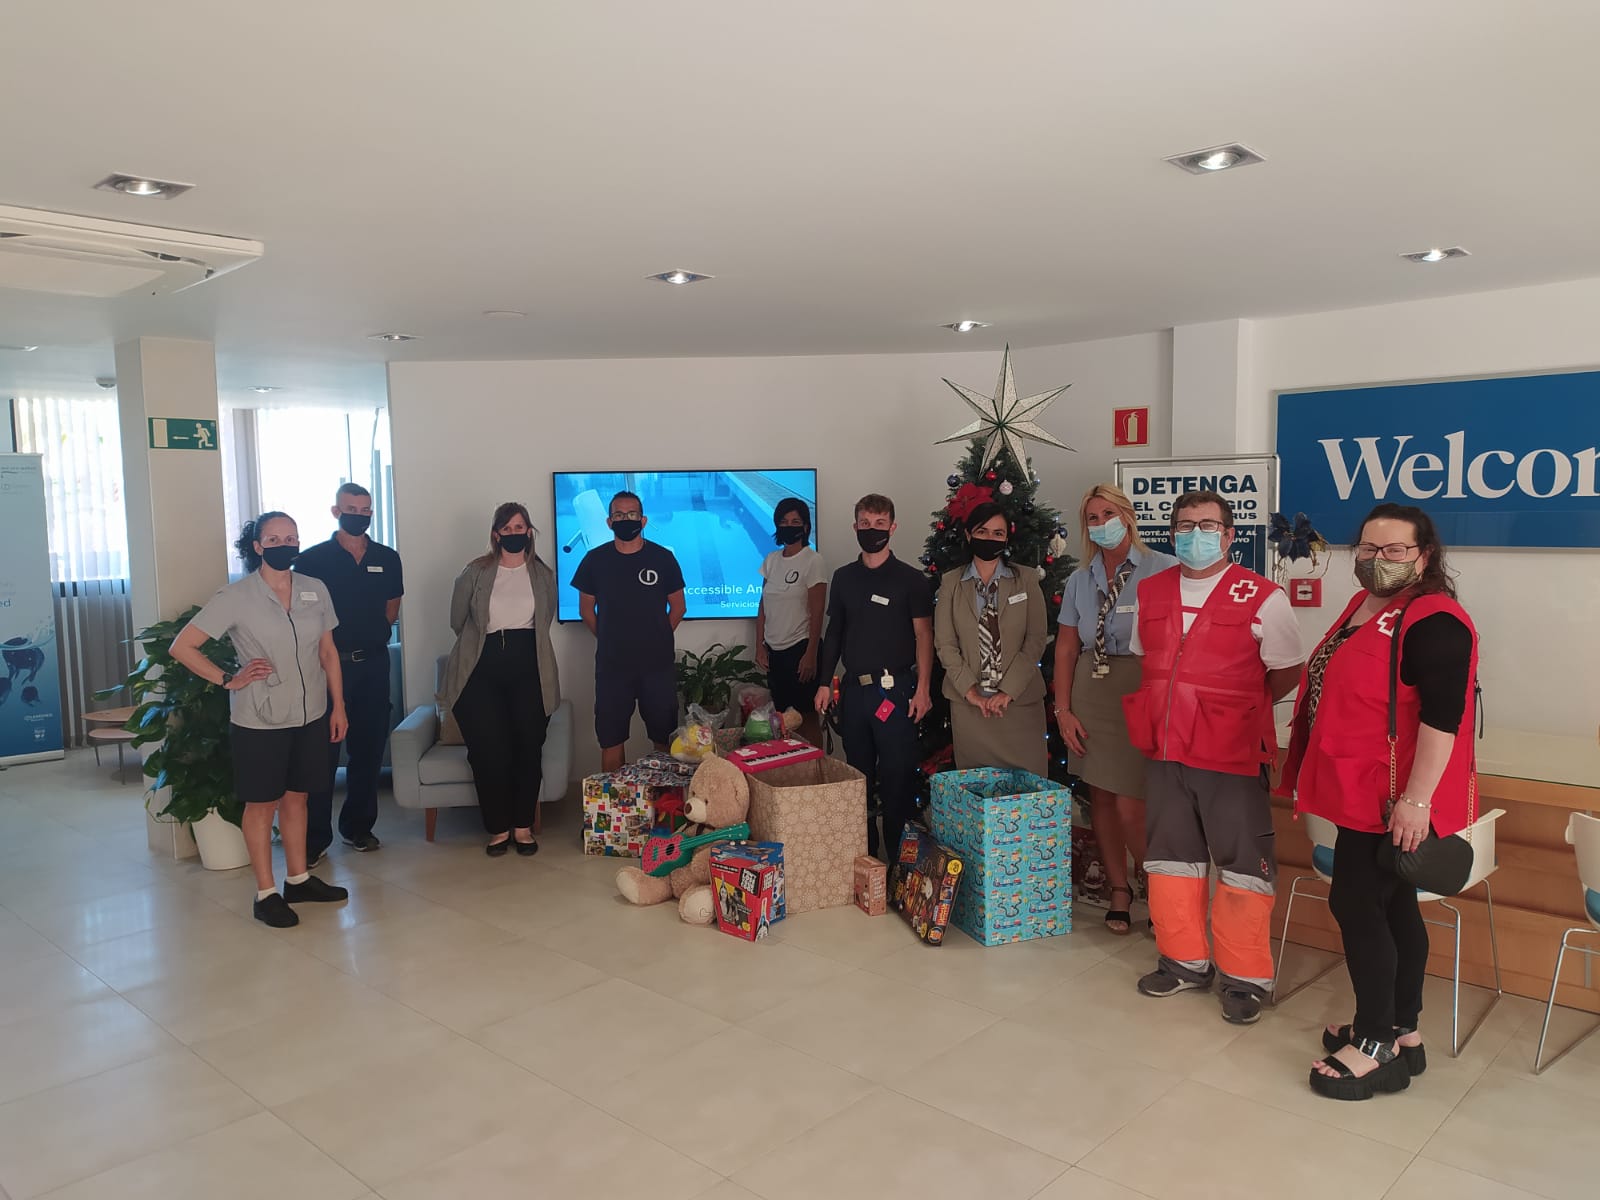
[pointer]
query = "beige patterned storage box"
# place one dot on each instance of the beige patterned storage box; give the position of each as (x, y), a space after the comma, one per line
(818, 810)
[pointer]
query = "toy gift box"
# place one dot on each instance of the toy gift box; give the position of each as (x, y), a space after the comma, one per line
(619, 808)
(747, 887)
(924, 884)
(818, 811)
(871, 886)
(988, 807)
(1019, 894)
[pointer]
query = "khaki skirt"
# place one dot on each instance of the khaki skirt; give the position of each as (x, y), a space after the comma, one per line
(1014, 740)
(1111, 762)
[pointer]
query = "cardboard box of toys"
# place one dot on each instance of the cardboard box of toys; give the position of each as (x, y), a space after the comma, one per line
(747, 887)
(1016, 898)
(872, 886)
(619, 808)
(924, 883)
(817, 810)
(986, 808)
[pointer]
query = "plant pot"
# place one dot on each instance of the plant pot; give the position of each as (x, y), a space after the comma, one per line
(170, 839)
(221, 843)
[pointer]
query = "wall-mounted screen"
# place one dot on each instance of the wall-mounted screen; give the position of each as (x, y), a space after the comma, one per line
(717, 523)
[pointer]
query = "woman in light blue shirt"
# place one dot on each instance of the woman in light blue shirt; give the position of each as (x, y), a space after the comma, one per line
(1094, 669)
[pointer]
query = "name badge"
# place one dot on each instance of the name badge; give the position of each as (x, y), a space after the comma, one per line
(880, 599)
(1125, 608)
(375, 570)
(308, 595)
(1019, 598)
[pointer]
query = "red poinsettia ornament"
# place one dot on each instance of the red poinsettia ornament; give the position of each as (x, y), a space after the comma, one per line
(967, 498)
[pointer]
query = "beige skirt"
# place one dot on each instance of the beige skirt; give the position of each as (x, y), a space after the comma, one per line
(1111, 762)
(1014, 740)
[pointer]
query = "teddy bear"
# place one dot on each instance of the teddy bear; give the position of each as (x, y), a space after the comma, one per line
(718, 796)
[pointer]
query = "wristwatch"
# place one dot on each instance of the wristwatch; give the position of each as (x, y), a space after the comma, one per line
(227, 678)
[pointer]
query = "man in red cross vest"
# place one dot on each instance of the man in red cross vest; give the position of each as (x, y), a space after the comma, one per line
(1219, 646)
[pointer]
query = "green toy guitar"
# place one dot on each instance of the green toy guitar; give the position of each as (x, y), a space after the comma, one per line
(664, 855)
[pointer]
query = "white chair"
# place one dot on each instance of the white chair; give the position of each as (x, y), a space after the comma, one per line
(1323, 833)
(1583, 834)
(1481, 835)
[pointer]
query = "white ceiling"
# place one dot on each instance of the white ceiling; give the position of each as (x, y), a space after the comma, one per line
(853, 173)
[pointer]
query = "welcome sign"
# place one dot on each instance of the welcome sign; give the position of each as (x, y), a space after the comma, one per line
(1496, 462)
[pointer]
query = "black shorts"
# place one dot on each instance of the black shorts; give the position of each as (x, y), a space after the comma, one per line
(269, 762)
(783, 680)
(617, 691)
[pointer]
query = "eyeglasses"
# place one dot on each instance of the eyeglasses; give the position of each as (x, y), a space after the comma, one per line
(626, 516)
(1393, 552)
(1203, 526)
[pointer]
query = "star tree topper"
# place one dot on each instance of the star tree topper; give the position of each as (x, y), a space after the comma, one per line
(1003, 420)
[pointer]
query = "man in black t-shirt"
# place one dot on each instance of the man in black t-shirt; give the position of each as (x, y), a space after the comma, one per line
(880, 624)
(631, 595)
(363, 579)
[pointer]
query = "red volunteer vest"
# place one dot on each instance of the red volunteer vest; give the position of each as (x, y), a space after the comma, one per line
(1202, 698)
(1339, 767)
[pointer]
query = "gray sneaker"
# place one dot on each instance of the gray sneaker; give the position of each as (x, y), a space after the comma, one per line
(1240, 1006)
(1162, 982)
(364, 843)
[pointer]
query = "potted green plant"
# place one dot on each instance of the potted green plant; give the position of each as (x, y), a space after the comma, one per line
(186, 719)
(707, 679)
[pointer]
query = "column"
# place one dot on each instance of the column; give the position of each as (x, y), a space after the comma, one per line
(1215, 408)
(172, 474)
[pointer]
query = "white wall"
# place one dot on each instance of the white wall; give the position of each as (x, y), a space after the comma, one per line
(467, 436)
(1535, 609)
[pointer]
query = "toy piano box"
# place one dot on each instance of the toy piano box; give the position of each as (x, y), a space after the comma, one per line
(923, 885)
(780, 752)
(747, 887)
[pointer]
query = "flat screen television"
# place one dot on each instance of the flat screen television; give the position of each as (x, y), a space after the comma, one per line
(717, 523)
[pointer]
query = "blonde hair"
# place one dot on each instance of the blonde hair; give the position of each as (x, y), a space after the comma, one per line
(1118, 499)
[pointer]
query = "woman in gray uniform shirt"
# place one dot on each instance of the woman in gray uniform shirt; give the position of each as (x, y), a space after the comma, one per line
(280, 717)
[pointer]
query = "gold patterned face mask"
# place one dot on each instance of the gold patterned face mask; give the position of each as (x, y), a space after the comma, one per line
(1384, 578)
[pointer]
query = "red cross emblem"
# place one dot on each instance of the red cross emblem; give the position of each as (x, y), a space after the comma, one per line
(1386, 622)
(1244, 591)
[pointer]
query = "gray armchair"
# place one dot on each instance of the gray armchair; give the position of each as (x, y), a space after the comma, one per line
(430, 776)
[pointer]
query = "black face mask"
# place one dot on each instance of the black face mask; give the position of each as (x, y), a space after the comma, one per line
(514, 543)
(626, 531)
(788, 535)
(987, 549)
(355, 524)
(872, 540)
(280, 558)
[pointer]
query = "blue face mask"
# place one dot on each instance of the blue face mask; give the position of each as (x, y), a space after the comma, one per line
(1108, 535)
(1198, 549)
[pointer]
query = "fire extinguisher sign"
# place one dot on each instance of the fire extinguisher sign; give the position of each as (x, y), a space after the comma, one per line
(1130, 427)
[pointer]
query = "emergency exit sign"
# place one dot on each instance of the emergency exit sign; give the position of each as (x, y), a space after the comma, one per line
(182, 433)
(1130, 427)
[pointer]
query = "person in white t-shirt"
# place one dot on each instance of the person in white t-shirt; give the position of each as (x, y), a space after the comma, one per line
(1219, 646)
(794, 590)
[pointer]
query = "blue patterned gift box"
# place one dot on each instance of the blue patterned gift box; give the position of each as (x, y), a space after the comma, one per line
(1014, 830)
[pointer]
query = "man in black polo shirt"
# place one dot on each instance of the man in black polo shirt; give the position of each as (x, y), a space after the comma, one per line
(363, 577)
(631, 597)
(880, 621)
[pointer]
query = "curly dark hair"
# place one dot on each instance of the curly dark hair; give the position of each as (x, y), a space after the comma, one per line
(1436, 576)
(251, 534)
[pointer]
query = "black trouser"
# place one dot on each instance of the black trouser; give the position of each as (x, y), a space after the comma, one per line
(1385, 938)
(502, 719)
(884, 751)
(366, 706)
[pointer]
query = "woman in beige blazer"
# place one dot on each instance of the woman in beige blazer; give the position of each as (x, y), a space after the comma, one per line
(989, 629)
(500, 681)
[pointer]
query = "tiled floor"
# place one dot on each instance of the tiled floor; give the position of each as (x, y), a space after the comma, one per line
(467, 1027)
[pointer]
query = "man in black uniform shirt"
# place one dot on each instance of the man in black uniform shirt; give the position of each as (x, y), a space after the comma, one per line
(880, 621)
(363, 578)
(631, 596)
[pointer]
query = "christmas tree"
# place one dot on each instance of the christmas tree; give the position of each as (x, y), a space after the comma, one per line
(1038, 542)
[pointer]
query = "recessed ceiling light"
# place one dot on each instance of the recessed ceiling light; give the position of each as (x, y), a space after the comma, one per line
(1435, 254)
(20, 349)
(393, 337)
(504, 313)
(678, 277)
(263, 390)
(966, 326)
(1215, 158)
(139, 185)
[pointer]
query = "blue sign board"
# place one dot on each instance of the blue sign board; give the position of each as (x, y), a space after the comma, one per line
(30, 688)
(1495, 462)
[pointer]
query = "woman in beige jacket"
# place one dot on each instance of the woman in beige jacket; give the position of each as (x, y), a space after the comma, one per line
(500, 681)
(989, 629)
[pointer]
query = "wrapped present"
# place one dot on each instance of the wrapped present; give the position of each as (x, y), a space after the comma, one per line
(747, 888)
(871, 886)
(1090, 883)
(987, 807)
(620, 808)
(924, 884)
(1017, 894)
(818, 811)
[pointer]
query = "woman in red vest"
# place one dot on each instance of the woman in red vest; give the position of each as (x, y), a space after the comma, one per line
(1339, 767)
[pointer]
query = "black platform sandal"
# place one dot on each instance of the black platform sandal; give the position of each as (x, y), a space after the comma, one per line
(1416, 1056)
(1121, 914)
(1390, 1076)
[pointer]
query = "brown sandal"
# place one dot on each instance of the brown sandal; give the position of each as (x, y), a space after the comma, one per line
(1121, 914)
